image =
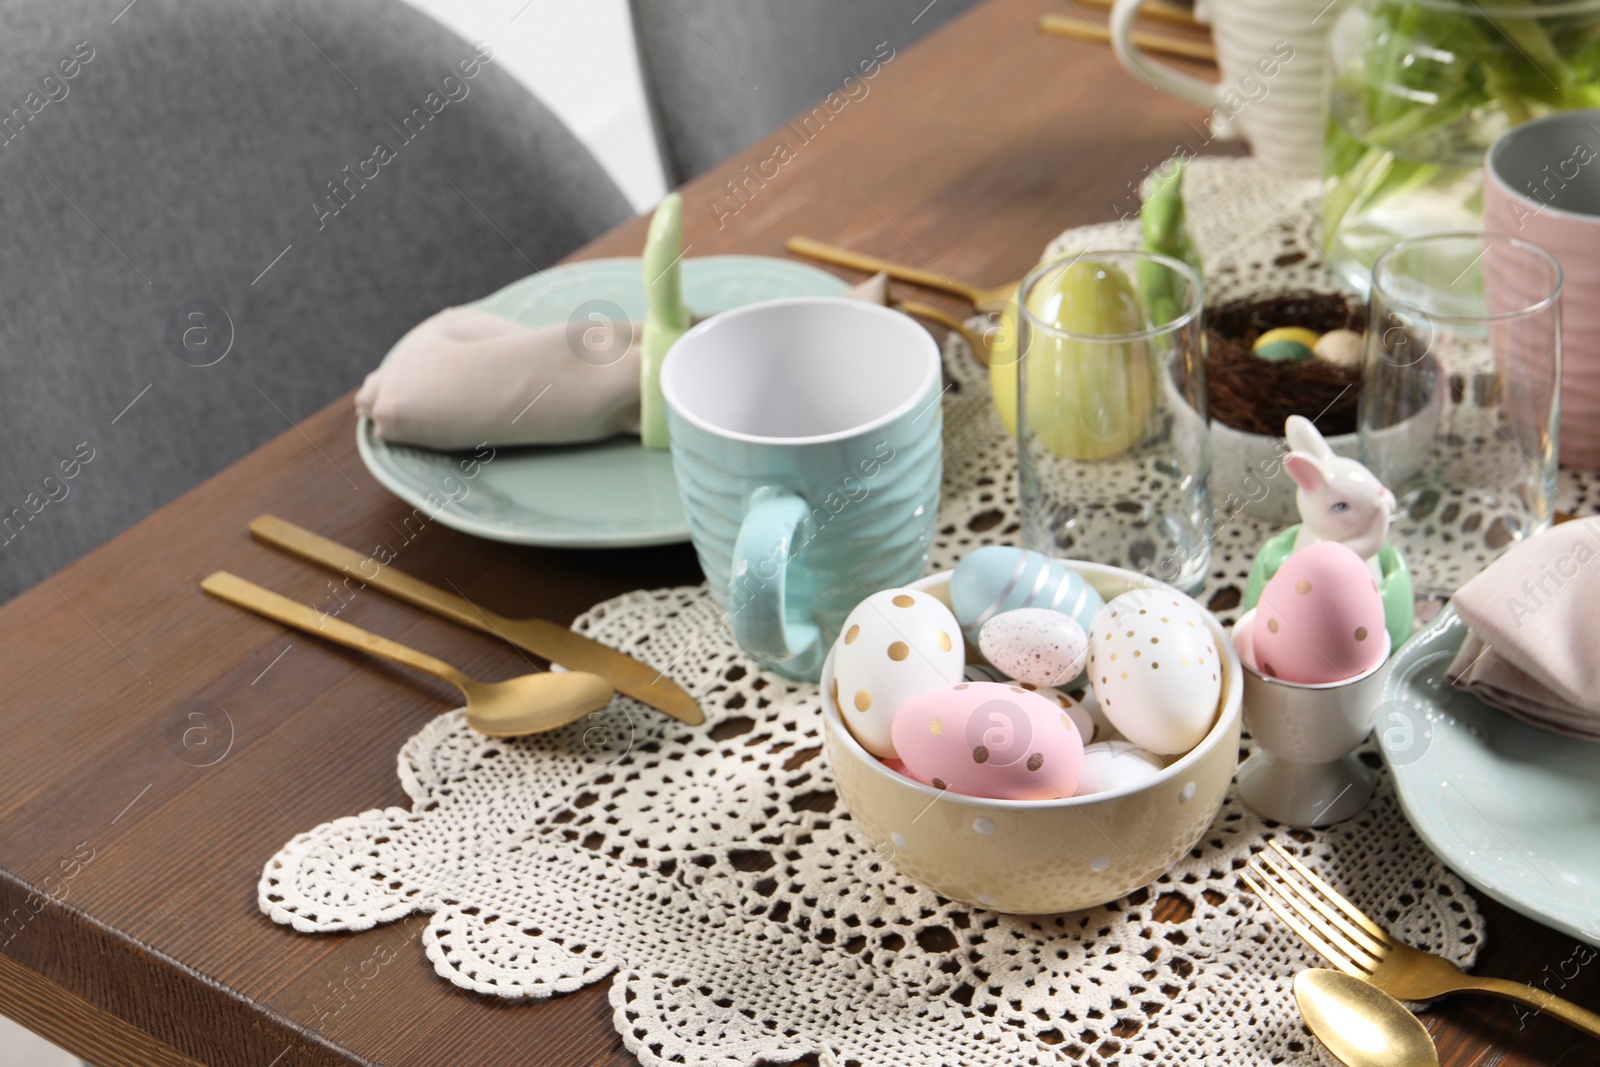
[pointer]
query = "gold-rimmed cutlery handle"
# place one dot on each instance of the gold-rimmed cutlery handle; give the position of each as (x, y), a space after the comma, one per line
(541, 637)
(1083, 30)
(843, 257)
(366, 570)
(265, 602)
(1539, 999)
(1160, 10)
(974, 339)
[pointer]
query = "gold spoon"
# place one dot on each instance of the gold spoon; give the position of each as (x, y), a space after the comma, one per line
(980, 298)
(530, 704)
(978, 341)
(1361, 1024)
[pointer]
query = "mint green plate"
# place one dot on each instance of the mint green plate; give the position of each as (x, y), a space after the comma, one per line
(611, 494)
(1512, 809)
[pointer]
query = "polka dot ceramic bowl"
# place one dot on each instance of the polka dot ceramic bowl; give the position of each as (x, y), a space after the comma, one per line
(1034, 857)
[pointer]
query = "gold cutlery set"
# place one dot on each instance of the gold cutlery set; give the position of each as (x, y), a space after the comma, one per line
(1355, 1010)
(530, 704)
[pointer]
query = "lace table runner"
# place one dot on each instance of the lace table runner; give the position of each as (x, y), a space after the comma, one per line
(713, 877)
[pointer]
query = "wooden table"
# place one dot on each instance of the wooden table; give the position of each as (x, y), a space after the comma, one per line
(971, 151)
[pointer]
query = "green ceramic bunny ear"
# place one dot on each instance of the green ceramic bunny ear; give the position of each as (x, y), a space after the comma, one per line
(666, 318)
(1162, 221)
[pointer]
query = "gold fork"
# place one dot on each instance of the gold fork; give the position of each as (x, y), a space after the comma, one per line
(1360, 947)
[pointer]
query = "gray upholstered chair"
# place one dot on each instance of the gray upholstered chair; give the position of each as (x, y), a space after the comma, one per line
(189, 171)
(720, 73)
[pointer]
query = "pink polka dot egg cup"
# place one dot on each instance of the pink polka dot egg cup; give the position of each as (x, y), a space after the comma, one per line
(1036, 857)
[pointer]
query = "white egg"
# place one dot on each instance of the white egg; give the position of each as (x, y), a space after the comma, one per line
(895, 645)
(1111, 765)
(1075, 710)
(1155, 669)
(1035, 645)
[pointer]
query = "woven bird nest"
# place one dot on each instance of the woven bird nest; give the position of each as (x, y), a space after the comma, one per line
(1250, 394)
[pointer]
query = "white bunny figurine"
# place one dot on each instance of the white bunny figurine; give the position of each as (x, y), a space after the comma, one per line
(1339, 499)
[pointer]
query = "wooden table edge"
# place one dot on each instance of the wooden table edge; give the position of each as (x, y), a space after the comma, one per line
(67, 1018)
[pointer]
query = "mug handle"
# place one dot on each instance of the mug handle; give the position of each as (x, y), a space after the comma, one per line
(1123, 15)
(768, 617)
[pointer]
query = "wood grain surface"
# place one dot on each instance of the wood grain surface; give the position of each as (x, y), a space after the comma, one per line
(128, 869)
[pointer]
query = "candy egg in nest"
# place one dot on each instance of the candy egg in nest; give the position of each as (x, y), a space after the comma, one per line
(894, 645)
(985, 739)
(1035, 645)
(1320, 618)
(1155, 669)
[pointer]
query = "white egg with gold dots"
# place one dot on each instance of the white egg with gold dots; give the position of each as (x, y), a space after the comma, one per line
(895, 645)
(1156, 670)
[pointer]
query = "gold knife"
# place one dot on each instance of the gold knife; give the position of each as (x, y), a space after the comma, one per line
(542, 637)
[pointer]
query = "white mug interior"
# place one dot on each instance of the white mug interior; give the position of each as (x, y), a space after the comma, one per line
(802, 369)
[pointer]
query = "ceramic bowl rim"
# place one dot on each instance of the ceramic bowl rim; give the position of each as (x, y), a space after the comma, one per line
(1229, 714)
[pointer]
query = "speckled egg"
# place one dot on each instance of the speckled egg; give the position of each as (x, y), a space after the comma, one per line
(894, 645)
(1111, 765)
(1320, 618)
(1087, 728)
(986, 739)
(1035, 645)
(1156, 669)
(999, 578)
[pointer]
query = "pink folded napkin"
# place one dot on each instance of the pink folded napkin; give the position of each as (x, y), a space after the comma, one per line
(1534, 645)
(467, 377)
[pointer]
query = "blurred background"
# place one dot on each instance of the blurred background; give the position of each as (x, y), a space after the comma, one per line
(594, 88)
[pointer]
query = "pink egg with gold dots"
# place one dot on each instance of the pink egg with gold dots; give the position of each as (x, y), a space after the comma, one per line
(989, 739)
(1320, 618)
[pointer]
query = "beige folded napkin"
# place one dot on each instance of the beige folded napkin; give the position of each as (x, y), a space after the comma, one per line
(1534, 645)
(467, 377)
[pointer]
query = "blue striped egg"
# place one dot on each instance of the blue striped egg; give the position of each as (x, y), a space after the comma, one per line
(1000, 578)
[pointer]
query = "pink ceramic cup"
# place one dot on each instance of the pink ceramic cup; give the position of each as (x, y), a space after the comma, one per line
(1542, 184)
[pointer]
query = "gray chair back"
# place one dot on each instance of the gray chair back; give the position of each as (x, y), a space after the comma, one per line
(216, 216)
(721, 73)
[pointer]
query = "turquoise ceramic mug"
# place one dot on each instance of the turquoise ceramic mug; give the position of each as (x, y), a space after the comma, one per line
(806, 443)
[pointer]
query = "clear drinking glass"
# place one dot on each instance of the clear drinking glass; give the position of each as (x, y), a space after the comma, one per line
(1112, 439)
(1459, 408)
